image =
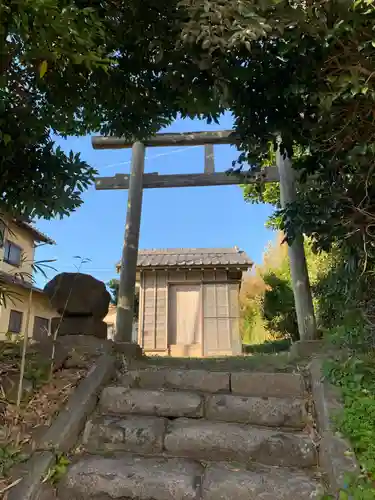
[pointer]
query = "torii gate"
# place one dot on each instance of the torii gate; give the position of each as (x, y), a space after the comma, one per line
(137, 181)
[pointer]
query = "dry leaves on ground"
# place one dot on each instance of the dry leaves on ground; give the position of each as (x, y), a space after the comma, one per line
(19, 430)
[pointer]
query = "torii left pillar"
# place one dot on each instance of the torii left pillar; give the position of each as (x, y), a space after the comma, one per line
(125, 303)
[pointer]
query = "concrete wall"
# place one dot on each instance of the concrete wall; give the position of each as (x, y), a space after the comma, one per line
(23, 239)
(19, 299)
(20, 302)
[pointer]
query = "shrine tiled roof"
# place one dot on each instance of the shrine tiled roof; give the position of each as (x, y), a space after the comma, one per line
(193, 257)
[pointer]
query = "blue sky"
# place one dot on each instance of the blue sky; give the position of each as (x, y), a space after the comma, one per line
(179, 217)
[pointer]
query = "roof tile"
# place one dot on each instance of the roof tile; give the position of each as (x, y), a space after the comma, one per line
(191, 257)
(38, 235)
(17, 279)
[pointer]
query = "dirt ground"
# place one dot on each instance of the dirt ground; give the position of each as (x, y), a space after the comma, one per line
(43, 396)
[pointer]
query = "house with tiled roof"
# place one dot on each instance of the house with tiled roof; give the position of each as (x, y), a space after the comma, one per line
(189, 301)
(18, 240)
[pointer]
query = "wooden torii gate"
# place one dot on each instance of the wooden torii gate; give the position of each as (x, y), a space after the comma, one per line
(137, 181)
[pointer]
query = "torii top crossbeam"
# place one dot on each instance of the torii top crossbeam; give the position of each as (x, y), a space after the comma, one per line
(169, 139)
(209, 178)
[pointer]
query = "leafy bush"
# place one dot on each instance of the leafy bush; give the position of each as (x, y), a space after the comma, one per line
(278, 306)
(342, 285)
(343, 292)
(253, 328)
(344, 300)
(114, 285)
(268, 347)
(355, 377)
(9, 456)
(268, 310)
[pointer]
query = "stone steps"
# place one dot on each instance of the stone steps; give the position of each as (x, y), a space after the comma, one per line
(199, 439)
(164, 378)
(163, 434)
(268, 411)
(129, 477)
(121, 400)
(242, 383)
(132, 433)
(206, 440)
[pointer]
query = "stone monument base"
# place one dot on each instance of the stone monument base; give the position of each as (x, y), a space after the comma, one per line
(80, 325)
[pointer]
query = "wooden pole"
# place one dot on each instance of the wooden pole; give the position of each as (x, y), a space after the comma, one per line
(209, 161)
(298, 267)
(169, 139)
(125, 305)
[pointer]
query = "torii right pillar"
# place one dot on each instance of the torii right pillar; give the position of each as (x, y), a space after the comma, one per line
(298, 267)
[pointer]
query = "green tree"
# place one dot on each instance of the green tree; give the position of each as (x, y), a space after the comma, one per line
(278, 305)
(41, 43)
(73, 67)
(278, 308)
(305, 70)
(113, 286)
(267, 300)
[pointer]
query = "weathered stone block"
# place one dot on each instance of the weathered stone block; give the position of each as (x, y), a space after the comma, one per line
(122, 400)
(86, 344)
(75, 294)
(126, 380)
(272, 412)
(46, 492)
(80, 325)
(35, 471)
(78, 360)
(227, 482)
(65, 429)
(336, 456)
(132, 433)
(207, 440)
(131, 477)
(190, 380)
(131, 350)
(268, 384)
(44, 348)
(306, 348)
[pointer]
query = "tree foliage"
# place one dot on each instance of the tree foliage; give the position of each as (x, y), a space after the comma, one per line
(267, 300)
(302, 69)
(113, 286)
(39, 42)
(305, 70)
(75, 67)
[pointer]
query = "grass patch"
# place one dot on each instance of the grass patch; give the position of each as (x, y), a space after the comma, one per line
(356, 378)
(60, 468)
(257, 362)
(10, 456)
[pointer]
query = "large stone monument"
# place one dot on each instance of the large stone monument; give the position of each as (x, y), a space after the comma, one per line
(82, 301)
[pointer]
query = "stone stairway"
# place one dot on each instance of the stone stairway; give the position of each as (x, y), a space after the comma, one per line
(170, 434)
